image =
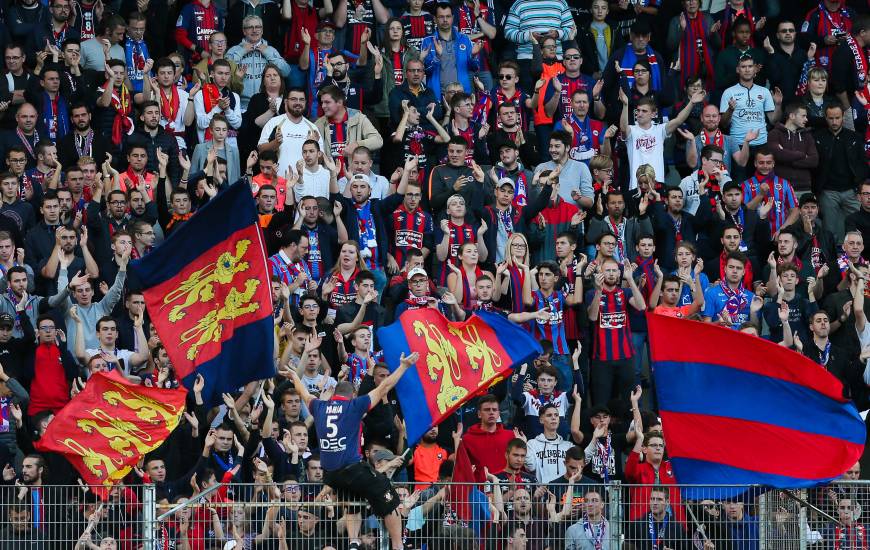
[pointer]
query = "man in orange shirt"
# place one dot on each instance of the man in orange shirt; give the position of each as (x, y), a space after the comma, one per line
(429, 456)
(669, 288)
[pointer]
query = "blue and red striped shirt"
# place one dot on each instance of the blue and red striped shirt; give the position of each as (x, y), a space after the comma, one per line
(552, 329)
(781, 191)
(612, 331)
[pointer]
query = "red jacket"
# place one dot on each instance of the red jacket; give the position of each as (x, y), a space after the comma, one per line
(487, 449)
(643, 473)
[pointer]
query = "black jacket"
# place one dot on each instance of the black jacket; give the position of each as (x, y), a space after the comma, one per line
(826, 142)
(167, 143)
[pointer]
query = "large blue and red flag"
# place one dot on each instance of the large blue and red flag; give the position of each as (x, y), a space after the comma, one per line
(737, 409)
(457, 361)
(208, 294)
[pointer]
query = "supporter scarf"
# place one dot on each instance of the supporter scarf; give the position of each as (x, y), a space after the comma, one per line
(55, 115)
(123, 106)
(584, 140)
(211, 94)
(84, 144)
(695, 53)
(59, 37)
(747, 274)
(729, 16)
(843, 263)
(596, 536)
(136, 52)
(178, 218)
(468, 300)
(828, 24)
(717, 139)
(416, 302)
(604, 451)
(398, 72)
(501, 98)
(865, 93)
(26, 142)
(678, 226)
(804, 80)
(647, 268)
(480, 114)
(618, 230)
(735, 299)
(656, 535)
(629, 58)
(367, 236)
(338, 141)
(850, 537)
(860, 61)
(169, 107)
(506, 219)
(520, 186)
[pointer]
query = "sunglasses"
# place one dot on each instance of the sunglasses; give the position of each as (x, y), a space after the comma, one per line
(505, 76)
(572, 57)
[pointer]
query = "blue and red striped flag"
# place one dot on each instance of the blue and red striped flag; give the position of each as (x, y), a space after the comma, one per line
(737, 409)
(208, 295)
(457, 361)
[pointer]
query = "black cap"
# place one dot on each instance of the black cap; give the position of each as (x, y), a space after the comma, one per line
(640, 27)
(506, 142)
(731, 185)
(7, 320)
(807, 198)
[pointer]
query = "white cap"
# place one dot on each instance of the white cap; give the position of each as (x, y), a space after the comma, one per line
(417, 271)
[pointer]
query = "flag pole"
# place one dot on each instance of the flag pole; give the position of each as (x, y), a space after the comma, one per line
(803, 502)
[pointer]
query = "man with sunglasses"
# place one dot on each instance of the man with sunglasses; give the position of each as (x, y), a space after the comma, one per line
(786, 60)
(560, 89)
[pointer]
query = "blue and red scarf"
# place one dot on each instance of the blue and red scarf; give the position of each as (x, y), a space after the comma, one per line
(629, 58)
(695, 57)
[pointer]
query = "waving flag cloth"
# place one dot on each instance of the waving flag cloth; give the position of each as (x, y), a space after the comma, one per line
(105, 429)
(207, 292)
(741, 410)
(457, 361)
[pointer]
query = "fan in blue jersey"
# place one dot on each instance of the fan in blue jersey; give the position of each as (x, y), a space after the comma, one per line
(338, 422)
(729, 303)
(555, 301)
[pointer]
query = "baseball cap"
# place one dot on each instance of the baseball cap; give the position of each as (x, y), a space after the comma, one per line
(382, 454)
(326, 24)
(7, 320)
(640, 27)
(361, 177)
(417, 271)
(505, 181)
(807, 198)
(507, 142)
(731, 185)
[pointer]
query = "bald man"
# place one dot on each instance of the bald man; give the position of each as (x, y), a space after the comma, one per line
(27, 138)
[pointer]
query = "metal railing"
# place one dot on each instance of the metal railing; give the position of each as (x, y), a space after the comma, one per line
(447, 516)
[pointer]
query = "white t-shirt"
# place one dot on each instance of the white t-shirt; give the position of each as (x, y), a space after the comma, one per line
(295, 134)
(646, 147)
(315, 184)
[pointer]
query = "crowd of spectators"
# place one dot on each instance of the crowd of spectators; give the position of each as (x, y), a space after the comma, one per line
(571, 167)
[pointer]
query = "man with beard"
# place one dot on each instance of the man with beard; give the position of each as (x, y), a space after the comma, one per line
(286, 133)
(153, 137)
(82, 141)
(65, 255)
(45, 93)
(24, 135)
(344, 129)
(56, 30)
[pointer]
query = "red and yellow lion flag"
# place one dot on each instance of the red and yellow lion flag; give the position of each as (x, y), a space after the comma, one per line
(106, 428)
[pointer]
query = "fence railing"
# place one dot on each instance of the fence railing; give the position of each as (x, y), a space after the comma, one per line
(445, 516)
